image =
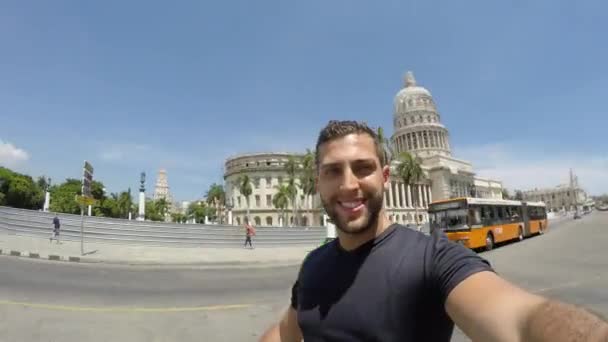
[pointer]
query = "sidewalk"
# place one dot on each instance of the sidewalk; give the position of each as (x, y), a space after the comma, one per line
(69, 251)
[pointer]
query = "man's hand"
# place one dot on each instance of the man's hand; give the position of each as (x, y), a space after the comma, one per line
(287, 330)
(488, 308)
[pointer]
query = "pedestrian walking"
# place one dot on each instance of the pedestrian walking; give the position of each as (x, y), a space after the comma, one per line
(379, 281)
(56, 227)
(249, 232)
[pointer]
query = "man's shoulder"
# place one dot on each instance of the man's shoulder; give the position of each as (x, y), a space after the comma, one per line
(320, 253)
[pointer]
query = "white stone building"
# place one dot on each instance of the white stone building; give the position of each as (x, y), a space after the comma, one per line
(266, 171)
(564, 197)
(161, 190)
(417, 129)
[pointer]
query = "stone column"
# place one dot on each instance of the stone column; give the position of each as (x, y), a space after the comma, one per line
(402, 190)
(420, 195)
(393, 202)
(430, 194)
(142, 206)
(47, 201)
(390, 195)
(409, 196)
(230, 217)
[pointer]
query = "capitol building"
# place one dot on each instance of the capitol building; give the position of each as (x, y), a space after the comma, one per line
(417, 129)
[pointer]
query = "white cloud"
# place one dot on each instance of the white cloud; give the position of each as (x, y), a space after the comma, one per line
(521, 166)
(11, 156)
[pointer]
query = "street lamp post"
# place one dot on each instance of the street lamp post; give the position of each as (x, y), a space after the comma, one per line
(47, 196)
(229, 207)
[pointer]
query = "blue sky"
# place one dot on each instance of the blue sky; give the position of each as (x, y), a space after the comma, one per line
(141, 85)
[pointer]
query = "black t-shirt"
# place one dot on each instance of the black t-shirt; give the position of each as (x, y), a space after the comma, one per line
(392, 288)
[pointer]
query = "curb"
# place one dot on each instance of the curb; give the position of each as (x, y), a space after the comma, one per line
(219, 264)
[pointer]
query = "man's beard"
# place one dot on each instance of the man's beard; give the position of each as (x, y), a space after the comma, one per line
(374, 206)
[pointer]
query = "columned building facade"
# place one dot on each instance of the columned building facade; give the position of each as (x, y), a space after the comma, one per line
(417, 129)
(267, 172)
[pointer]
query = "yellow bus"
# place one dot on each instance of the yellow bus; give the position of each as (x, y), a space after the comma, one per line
(482, 223)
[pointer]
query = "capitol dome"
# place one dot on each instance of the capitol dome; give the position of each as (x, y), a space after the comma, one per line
(411, 89)
(416, 122)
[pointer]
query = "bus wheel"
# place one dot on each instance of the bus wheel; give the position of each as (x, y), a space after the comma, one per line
(520, 237)
(489, 242)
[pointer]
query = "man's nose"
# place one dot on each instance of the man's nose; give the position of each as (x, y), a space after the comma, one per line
(349, 180)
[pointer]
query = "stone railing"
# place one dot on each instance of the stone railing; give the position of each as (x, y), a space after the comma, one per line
(120, 231)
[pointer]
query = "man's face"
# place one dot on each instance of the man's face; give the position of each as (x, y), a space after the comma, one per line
(351, 182)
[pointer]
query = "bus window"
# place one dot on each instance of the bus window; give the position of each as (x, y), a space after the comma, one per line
(516, 213)
(474, 217)
(451, 219)
(457, 219)
(500, 214)
(491, 215)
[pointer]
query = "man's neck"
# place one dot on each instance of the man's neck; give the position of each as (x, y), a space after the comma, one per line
(352, 241)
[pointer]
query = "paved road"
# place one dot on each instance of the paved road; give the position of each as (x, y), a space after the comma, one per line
(45, 301)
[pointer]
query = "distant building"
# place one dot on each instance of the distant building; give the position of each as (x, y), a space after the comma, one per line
(417, 129)
(161, 190)
(564, 197)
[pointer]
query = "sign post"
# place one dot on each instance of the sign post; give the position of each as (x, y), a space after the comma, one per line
(85, 199)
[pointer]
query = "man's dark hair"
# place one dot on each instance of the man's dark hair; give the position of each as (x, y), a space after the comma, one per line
(337, 129)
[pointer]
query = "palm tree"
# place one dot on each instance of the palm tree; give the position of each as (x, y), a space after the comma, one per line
(280, 200)
(124, 203)
(291, 167)
(386, 145)
(245, 188)
(307, 177)
(162, 206)
(410, 172)
(216, 196)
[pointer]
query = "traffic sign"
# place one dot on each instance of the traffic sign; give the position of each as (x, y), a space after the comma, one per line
(87, 179)
(84, 200)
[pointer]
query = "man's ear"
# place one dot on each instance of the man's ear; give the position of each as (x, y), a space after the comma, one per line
(386, 176)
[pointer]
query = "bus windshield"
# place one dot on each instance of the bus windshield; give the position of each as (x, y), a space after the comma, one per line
(451, 219)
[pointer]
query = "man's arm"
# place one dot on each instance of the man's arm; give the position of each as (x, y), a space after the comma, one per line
(286, 330)
(488, 308)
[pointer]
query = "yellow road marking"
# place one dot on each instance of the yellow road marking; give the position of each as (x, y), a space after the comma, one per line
(123, 309)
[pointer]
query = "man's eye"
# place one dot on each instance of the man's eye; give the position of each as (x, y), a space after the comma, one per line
(332, 171)
(365, 168)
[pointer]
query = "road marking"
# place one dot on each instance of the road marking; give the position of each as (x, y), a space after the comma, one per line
(123, 309)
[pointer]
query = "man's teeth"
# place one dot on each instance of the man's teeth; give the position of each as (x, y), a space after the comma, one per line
(351, 204)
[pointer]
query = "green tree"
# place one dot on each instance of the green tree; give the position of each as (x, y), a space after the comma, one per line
(291, 168)
(387, 146)
(505, 194)
(107, 206)
(245, 188)
(216, 197)
(409, 170)
(19, 191)
(519, 195)
(155, 210)
(124, 203)
(280, 200)
(63, 196)
(307, 177)
(198, 211)
(42, 183)
(179, 218)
